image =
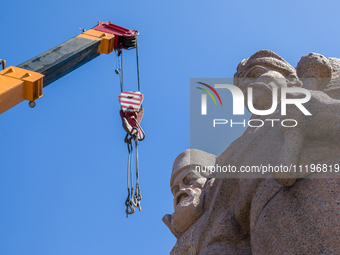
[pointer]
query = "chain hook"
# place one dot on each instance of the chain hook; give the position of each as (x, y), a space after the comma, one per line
(128, 205)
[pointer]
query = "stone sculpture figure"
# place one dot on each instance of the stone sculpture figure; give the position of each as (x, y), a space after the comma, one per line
(277, 215)
(189, 189)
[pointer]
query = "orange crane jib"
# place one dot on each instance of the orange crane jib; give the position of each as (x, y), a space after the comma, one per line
(25, 82)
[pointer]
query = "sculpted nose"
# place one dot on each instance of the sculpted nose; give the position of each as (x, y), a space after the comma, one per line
(182, 185)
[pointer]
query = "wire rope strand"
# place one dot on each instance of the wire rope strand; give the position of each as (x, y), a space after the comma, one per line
(121, 72)
(137, 58)
(137, 170)
(128, 167)
(131, 178)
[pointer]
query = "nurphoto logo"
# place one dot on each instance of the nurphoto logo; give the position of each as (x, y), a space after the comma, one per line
(239, 101)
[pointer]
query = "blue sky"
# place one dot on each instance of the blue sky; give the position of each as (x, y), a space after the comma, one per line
(63, 163)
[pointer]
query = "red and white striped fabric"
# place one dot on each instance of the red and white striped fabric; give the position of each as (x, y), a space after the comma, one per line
(130, 100)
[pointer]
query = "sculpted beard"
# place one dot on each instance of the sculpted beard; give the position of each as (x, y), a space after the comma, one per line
(189, 207)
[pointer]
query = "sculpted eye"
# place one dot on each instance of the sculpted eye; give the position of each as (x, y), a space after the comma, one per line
(188, 180)
(256, 72)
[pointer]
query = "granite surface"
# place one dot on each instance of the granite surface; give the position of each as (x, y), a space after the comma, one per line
(285, 214)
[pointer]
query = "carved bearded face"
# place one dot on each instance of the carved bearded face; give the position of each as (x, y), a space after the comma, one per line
(188, 199)
(189, 189)
(262, 80)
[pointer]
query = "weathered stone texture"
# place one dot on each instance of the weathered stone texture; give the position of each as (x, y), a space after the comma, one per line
(286, 214)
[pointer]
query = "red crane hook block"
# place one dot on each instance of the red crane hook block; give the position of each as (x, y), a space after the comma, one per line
(131, 113)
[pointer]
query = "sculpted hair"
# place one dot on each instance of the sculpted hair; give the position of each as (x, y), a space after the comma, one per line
(270, 60)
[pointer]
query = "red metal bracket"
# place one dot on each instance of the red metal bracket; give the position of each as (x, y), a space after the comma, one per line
(125, 38)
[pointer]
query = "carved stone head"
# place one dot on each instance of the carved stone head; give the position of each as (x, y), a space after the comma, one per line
(263, 71)
(188, 188)
(315, 71)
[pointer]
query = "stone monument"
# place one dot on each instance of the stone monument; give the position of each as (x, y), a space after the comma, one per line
(286, 213)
